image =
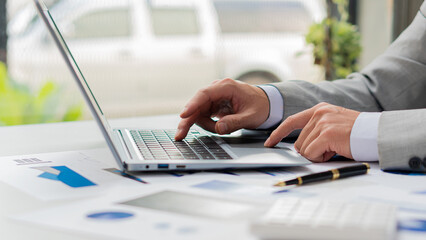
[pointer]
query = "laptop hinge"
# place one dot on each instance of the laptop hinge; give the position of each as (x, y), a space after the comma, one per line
(124, 145)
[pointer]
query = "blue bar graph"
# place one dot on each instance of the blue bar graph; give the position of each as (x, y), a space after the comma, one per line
(66, 176)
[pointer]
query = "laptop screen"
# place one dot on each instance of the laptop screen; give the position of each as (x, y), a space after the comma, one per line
(78, 76)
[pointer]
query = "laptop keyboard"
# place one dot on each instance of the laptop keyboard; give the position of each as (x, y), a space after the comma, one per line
(160, 145)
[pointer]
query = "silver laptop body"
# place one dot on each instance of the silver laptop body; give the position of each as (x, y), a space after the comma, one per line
(155, 150)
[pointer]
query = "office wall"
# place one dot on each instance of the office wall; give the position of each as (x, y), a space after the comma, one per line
(375, 22)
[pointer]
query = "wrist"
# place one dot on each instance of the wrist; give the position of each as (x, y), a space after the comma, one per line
(263, 105)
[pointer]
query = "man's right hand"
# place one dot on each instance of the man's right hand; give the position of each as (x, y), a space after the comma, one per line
(236, 104)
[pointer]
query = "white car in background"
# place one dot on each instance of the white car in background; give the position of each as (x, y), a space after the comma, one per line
(149, 56)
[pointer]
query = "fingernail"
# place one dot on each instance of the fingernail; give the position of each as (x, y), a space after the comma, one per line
(178, 132)
(267, 143)
(184, 110)
(223, 128)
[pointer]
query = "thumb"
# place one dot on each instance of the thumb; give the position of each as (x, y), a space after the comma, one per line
(230, 123)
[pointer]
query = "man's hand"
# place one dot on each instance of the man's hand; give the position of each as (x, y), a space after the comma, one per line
(326, 131)
(236, 104)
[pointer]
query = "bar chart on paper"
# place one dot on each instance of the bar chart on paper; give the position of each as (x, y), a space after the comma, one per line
(65, 175)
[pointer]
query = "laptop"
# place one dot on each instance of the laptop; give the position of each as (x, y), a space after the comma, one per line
(156, 150)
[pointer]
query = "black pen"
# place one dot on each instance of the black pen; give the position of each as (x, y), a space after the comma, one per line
(332, 174)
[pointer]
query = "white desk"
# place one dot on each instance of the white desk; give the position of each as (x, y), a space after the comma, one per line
(44, 138)
(55, 137)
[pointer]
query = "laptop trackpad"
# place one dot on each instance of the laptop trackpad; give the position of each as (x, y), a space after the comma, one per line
(246, 146)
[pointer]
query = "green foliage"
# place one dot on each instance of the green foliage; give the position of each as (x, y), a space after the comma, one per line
(18, 105)
(337, 44)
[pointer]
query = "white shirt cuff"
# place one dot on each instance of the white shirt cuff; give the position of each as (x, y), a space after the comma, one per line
(363, 138)
(276, 106)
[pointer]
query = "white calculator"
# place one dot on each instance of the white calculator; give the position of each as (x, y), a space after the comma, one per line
(295, 218)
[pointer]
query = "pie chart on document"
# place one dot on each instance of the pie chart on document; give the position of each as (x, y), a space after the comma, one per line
(110, 215)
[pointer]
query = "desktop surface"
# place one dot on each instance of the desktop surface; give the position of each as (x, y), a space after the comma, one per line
(84, 135)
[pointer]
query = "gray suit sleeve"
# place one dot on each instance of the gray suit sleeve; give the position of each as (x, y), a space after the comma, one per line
(402, 140)
(396, 80)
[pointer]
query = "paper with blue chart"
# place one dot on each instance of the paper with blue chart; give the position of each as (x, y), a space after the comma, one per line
(56, 176)
(87, 173)
(112, 217)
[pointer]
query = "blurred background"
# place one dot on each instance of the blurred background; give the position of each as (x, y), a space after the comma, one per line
(148, 57)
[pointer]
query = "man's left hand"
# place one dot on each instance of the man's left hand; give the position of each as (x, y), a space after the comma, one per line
(326, 131)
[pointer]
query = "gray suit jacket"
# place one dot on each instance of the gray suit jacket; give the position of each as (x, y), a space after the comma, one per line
(394, 83)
